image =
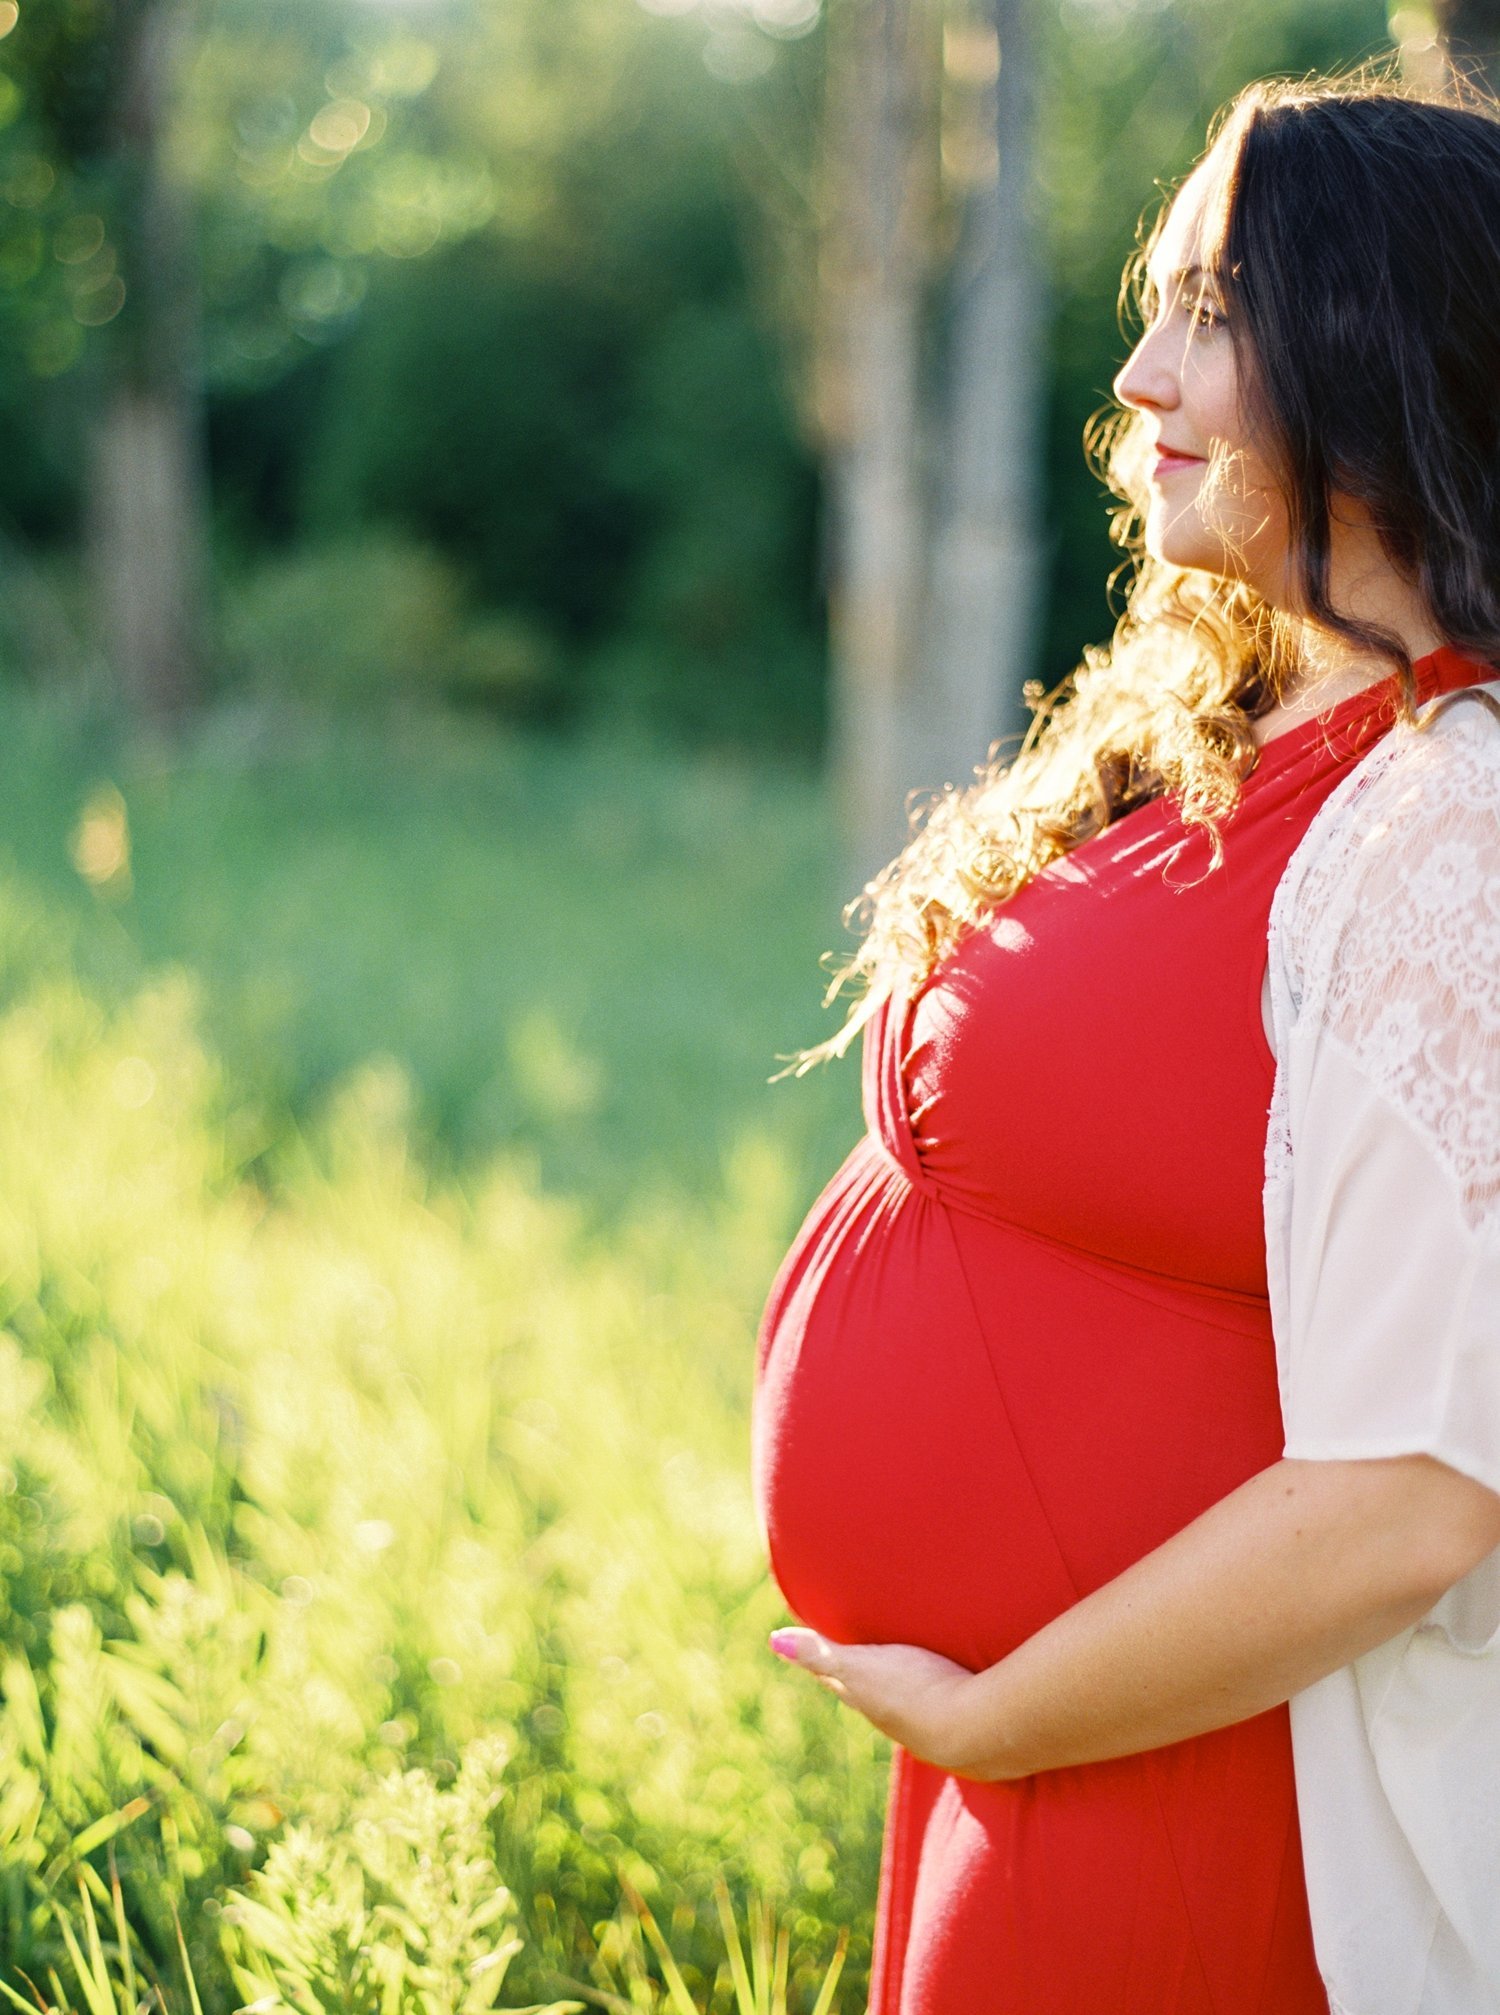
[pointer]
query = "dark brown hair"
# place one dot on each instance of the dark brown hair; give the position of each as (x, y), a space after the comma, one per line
(1358, 255)
(1361, 264)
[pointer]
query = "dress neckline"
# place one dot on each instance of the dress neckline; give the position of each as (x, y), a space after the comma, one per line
(1355, 721)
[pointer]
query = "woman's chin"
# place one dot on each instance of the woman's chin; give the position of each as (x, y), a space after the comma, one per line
(1193, 549)
(1180, 541)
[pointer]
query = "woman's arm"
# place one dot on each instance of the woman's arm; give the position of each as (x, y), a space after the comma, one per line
(1299, 1571)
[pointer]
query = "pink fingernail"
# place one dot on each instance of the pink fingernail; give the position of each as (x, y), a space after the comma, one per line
(784, 1644)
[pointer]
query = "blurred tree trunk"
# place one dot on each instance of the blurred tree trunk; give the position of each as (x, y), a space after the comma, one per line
(1469, 31)
(932, 474)
(875, 258)
(986, 550)
(146, 490)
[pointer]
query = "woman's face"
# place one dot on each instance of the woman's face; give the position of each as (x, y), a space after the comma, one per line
(1213, 501)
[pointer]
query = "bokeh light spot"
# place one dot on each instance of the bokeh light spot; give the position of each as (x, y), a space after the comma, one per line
(340, 127)
(786, 19)
(100, 304)
(101, 841)
(133, 1083)
(78, 238)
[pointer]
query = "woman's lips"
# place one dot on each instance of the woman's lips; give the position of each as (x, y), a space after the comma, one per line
(1168, 462)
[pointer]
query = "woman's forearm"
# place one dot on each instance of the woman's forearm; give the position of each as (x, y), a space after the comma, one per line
(1299, 1571)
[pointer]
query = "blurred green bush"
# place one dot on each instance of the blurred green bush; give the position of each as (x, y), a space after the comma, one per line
(615, 468)
(377, 613)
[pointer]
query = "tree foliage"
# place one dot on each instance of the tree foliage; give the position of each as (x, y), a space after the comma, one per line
(531, 283)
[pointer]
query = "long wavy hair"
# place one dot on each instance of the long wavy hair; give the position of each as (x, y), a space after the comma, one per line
(1356, 248)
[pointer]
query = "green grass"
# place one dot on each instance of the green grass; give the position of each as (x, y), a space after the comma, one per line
(591, 955)
(389, 1185)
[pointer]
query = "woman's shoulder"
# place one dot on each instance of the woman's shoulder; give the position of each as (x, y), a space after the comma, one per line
(1386, 951)
(1424, 782)
(1406, 849)
(1453, 745)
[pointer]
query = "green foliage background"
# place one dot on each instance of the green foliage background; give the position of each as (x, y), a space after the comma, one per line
(389, 1180)
(358, 1412)
(550, 319)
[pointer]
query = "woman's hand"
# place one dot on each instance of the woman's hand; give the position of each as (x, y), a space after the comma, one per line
(923, 1701)
(1300, 1570)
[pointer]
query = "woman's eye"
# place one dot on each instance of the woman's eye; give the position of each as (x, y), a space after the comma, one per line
(1205, 315)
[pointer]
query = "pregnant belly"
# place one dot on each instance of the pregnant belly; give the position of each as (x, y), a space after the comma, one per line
(959, 1429)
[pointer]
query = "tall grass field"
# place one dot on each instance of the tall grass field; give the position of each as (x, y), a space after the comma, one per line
(389, 1188)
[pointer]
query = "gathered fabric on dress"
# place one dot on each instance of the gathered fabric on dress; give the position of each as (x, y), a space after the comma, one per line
(1022, 1338)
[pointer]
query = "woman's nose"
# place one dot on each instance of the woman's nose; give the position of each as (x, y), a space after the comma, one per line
(1147, 378)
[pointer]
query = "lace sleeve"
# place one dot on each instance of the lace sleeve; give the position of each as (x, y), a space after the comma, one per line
(1392, 1113)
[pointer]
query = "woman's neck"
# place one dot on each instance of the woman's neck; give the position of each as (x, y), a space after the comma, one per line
(1364, 585)
(1331, 669)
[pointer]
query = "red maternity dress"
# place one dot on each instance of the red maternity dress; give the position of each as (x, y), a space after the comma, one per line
(1021, 1339)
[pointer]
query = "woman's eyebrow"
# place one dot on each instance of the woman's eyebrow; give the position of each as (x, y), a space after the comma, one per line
(1179, 275)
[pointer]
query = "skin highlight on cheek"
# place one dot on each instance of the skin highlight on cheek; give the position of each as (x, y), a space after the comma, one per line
(1241, 517)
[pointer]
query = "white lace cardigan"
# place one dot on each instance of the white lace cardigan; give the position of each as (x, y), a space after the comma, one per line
(1382, 1205)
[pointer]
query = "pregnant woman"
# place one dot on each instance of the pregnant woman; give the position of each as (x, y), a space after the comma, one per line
(1092, 1427)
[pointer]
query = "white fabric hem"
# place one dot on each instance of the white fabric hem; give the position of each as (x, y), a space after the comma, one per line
(1364, 1449)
